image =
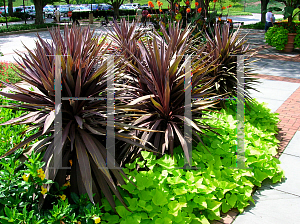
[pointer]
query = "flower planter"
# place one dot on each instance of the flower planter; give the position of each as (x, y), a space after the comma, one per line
(289, 47)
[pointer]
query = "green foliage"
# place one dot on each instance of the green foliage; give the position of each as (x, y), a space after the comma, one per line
(221, 45)
(259, 26)
(20, 188)
(25, 27)
(11, 135)
(166, 194)
(9, 19)
(277, 37)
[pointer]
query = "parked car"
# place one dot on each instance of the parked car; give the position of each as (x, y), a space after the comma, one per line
(132, 5)
(105, 7)
(63, 11)
(31, 13)
(49, 13)
(81, 9)
(124, 7)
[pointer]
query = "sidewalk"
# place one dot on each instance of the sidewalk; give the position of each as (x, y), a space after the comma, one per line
(279, 75)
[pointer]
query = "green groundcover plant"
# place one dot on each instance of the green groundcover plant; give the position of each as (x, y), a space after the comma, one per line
(11, 135)
(163, 192)
(166, 194)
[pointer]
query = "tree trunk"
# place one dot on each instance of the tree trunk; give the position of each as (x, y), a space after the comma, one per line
(10, 8)
(39, 5)
(264, 5)
(116, 6)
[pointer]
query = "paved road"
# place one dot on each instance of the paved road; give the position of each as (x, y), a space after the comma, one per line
(8, 44)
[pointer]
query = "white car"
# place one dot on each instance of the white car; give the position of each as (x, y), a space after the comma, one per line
(81, 9)
(132, 5)
(124, 7)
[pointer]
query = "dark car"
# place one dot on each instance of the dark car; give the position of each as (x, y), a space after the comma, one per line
(31, 13)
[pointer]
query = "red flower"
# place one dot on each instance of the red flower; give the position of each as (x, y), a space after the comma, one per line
(188, 10)
(223, 7)
(215, 1)
(187, 2)
(229, 6)
(196, 4)
(7, 80)
(199, 10)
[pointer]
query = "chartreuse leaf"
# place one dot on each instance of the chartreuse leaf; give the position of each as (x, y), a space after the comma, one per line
(143, 182)
(159, 197)
(133, 204)
(201, 200)
(231, 199)
(110, 218)
(260, 176)
(122, 211)
(225, 206)
(175, 206)
(212, 204)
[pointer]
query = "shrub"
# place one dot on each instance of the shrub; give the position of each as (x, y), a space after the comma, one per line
(156, 88)
(277, 37)
(25, 27)
(259, 26)
(223, 48)
(9, 19)
(84, 74)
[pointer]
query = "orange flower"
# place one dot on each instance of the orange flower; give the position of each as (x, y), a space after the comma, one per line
(229, 6)
(159, 3)
(187, 2)
(188, 10)
(176, 5)
(229, 20)
(199, 10)
(219, 18)
(149, 16)
(215, 1)
(160, 10)
(196, 4)
(150, 4)
(223, 7)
